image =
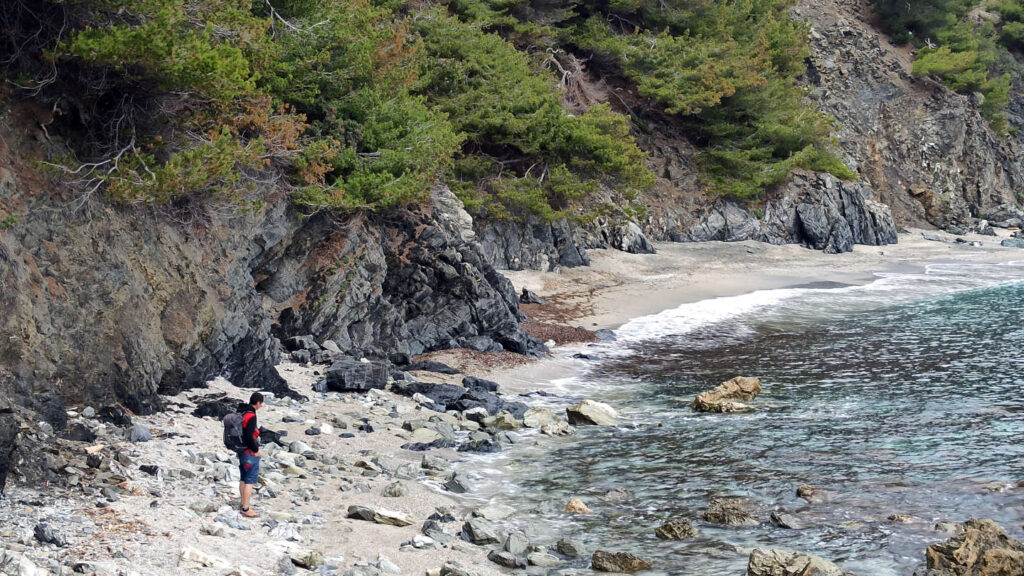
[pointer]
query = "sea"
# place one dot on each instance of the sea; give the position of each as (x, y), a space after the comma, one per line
(900, 399)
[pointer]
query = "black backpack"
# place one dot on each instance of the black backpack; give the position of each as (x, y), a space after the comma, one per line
(233, 432)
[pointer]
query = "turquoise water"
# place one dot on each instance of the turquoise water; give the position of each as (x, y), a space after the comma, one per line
(903, 396)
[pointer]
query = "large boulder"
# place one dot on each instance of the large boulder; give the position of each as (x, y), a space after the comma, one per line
(350, 375)
(981, 548)
(785, 563)
(729, 396)
(589, 412)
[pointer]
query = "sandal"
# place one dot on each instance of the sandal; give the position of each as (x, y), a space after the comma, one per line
(249, 513)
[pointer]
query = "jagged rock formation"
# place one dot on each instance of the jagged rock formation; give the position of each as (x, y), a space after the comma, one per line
(980, 548)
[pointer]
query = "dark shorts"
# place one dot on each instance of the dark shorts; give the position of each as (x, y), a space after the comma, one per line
(249, 468)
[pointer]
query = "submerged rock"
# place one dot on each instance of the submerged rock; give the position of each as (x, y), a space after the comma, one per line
(728, 396)
(982, 548)
(785, 563)
(731, 511)
(618, 562)
(576, 506)
(675, 530)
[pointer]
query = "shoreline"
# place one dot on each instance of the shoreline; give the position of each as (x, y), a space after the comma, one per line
(183, 517)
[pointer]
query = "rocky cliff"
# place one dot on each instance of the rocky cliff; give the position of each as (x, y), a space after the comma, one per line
(924, 155)
(113, 306)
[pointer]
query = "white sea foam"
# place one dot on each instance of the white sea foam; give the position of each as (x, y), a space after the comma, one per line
(803, 303)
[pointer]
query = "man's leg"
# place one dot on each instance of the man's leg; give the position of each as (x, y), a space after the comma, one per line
(246, 490)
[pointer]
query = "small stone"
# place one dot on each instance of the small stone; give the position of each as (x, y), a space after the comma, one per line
(786, 520)
(89, 413)
(458, 483)
(503, 558)
(589, 412)
(308, 559)
(494, 512)
(675, 530)
(480, 531)
(570, 548)
(542, 559)
(395, 490)
(576, 506)
(516, 543)
(139, 433)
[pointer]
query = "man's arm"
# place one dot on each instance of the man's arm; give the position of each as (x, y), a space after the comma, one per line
(252, 441)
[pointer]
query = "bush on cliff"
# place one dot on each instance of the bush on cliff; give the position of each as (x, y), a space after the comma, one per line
(968, 54)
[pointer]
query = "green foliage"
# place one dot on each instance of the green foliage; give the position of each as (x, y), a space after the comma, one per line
(182, 50)
(8, 222)
(512, 116)
(969, 57)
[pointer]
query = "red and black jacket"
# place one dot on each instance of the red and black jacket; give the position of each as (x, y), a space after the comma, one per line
(250, 431)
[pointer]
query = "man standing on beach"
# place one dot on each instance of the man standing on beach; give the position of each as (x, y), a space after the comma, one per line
(249, 459)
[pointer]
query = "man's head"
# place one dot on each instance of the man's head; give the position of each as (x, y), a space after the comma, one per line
(256, 400)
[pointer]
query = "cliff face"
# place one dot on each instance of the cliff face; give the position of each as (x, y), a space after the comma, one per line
(102, 305)
(925, 157)
(925, 151)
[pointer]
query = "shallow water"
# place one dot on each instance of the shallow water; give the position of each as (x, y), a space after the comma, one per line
(899, 397)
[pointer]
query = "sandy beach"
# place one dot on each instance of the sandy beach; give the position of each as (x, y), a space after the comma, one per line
(184, 518)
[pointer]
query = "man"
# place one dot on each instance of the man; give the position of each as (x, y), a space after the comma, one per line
(249, 459)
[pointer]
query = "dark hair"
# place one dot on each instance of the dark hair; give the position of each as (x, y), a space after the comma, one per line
(255, 399)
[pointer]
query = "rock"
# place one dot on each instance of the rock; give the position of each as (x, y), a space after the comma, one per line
(605, 335)
(785, 520)
(48, 535)
(430, 366)
(379, 515)
(516, 543)
(629, 238)
(617, 495)
(139, 433)
(810, 493)
(784, 563)
(287, 531)
(308, 559)
(442, 395)
(435, 463)
(351, 375)
(730, 511)
(395, 490)
(8, 439)
(900, 518)
(1012, 242)
(570, 548)
(538, 418)
(529, 297)
(591, 412)
(542, 559)
(494, 512)
(576, 506)
(981, 548)
(453, 568)
(458, 483)
(191, 554)
(503, 558)
(480, 531)
(726, 396)
(618, 562)
(78, 432)
(559, 428)
(387, 566)
(676, 530)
